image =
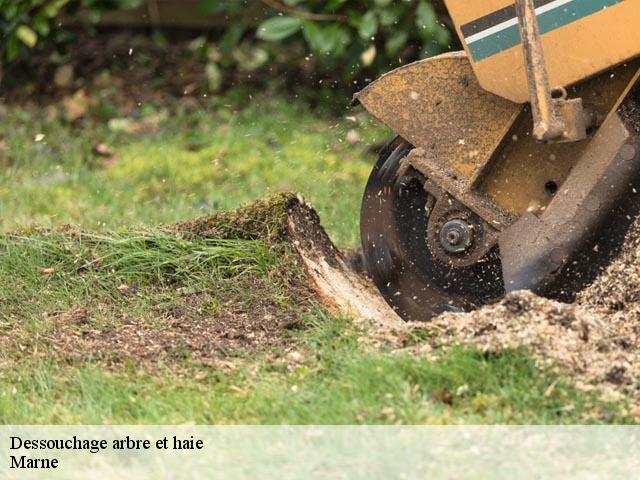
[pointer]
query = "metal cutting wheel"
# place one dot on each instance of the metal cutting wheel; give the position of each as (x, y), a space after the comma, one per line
(394, 230)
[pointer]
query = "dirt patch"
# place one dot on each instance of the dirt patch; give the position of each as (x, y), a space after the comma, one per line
(185, 331)
(239, 316)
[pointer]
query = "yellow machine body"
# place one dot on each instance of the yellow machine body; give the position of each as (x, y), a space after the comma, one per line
(581, 38)
(517, 163)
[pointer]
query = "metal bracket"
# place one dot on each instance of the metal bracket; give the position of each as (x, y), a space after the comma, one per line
(535, 248)
(556, 118)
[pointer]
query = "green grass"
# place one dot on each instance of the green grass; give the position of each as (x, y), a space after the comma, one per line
(331, 379)
(215, 158)
(142, 257)
(335, 382)
(55, 271)
(198, 162)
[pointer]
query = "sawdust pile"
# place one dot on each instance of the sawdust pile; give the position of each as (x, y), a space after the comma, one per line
(596, 340)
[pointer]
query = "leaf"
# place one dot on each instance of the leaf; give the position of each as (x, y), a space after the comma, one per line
(214, 76)
(13, 48)
(64, 76)
(41, 25)
(10, 11)
(368, 56)
(103, 150)
(27, 36)
(315, 37)
(278, 28)
(368, 25)
(232, 36)
(443, 36)
(250, 58)
(430, 48)
(390, 15)
(76, 105)
(396, 42)
(426, 17)
(53, 7)
(324, 39)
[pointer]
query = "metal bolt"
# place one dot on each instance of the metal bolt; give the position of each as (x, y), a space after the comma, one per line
(627, 152)
(453, 237)
(456, 236)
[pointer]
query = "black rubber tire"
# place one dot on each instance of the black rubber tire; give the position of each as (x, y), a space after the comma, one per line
(393, 228)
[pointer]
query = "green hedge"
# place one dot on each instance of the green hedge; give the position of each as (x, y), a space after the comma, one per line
(342, 36)
(25, 24)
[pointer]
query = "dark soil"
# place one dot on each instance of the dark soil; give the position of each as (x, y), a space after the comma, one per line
(127, 67)
(242, 327)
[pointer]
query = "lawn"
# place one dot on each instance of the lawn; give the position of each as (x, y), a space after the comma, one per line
(122, 318)
(173, 166)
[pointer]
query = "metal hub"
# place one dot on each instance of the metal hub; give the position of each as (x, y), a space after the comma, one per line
(456, 236)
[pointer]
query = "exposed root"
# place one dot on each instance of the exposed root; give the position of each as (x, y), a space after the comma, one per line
(339, 288)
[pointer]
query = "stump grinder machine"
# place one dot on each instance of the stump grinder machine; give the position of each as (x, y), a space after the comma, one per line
(516, 163)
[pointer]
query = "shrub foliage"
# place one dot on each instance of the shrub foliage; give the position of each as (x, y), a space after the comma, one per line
(24, 24)
(343, 36)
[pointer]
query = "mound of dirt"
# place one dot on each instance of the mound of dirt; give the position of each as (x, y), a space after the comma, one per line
(596, 340)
